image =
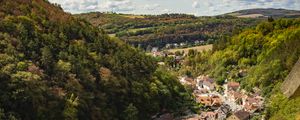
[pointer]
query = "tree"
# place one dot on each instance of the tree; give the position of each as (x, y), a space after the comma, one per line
(270, 19)
(2, 114)
(131, 112)
(47, 59)
(70, 110)
(64, 67)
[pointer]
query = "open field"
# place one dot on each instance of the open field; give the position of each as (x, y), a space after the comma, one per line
(197, 48)
(251, 16)
(112, 35)
(138, 29)
(133, 16)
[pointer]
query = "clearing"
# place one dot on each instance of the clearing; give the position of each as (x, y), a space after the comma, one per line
(197, 48)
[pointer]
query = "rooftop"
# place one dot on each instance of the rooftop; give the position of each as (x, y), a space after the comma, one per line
(242, 115)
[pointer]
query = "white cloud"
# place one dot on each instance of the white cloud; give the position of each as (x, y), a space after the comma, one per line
(151, 7)
(77, 5)
(201, 7)
(117, 5)
(196, 4)
(166, 11)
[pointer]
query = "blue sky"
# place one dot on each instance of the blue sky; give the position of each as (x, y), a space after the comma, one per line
(195, 7)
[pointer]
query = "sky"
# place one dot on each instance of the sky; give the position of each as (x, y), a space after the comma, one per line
(195, 7)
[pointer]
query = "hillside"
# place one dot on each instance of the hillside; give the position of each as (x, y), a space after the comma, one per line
(256, 13)
(257, 58)
(54, 66)
(148, 31)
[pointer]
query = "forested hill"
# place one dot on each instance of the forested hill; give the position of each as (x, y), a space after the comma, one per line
(54, 66)
(257, 58)
(159, 30)
(267, 12)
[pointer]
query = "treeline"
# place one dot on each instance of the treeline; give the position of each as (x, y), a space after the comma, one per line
(261, 57)
(54, 66)
(159, 30)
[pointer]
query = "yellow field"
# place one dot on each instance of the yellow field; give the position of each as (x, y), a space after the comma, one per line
(133, 16)
(137, 29)
(112, 35)
(197, 48)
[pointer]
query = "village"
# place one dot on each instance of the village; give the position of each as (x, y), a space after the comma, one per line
(220, 102)
(228, 101)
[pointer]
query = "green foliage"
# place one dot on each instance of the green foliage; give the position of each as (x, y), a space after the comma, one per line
(70, 110)
(54, 66)
(283, 108)
(63, 66)
(131, 112)
(26, 76)
(159, 30)
(260, 57)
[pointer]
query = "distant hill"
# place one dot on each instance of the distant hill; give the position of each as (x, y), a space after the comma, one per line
(162, 30)
(255, 13)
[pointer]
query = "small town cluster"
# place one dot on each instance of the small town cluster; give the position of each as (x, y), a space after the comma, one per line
(223, 102)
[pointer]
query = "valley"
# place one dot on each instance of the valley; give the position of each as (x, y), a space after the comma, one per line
(160, 30)
(72, 60)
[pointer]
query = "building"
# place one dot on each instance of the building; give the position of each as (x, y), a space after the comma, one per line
(188, 81)
(205, 82)
(240, 115)
(210, 100)
(252, 103)
(232, 86)
(209, 85)
(168, 46)
(208, 116)
(200, 91)
(236, 97)
(223, 112)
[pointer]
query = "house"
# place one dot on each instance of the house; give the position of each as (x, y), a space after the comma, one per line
(209, 85)
(242, 73)
(210, 100)
(205, 82)
(236, 97)
(168, 46)
(154, 49)
(185, 80)
(182, 44)
(175, 45)
(240, 115)
(188, 81)
(223, 111)
(252, 103)
(200, 91)
(232, 86)
(208, 116)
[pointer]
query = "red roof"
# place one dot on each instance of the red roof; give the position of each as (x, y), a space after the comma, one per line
(233, 84)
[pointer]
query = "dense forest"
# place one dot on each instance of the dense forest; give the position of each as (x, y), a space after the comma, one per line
(260, 57)
(159, 30)
(54, 66)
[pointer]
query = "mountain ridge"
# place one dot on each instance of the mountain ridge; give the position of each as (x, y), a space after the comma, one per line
(266, 12)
